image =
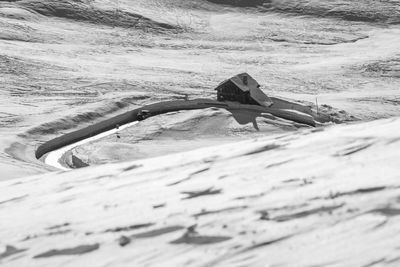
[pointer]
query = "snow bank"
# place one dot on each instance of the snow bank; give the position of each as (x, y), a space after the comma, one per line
(384, 11)
(87, 11)
(315, 197)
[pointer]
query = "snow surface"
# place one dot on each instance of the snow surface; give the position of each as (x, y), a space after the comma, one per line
(287, 197)
(53, 158)
(319, 197)
(69, 63)
(178, 132)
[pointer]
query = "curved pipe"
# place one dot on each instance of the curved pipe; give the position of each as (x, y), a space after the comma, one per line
(161, 108)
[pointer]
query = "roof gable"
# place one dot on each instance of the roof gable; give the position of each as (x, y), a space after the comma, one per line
(246, 83)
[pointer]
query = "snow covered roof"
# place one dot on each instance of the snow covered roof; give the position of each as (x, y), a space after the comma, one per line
(246, 83)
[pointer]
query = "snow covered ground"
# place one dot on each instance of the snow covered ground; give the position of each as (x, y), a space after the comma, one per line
(66, 64)
(178, 132)
(327, 197)
(53, 158)
(282, 196)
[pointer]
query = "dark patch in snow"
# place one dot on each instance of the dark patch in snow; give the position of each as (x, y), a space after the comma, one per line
(250, 196)
(10, 250)
(132, 167)
(264, 215)
(267, 243)
(82, 249)
(306, 213)
(278, 164)
(78, 163)
(57, 226)
(208, 212)
(358, 191)
(192, 237)
(159, 206)
(291, 180)
(330, 42)
(61, 232)
(352, 150)
(375, 262)
(263, 149)
(13, 199)
(387, 211)
(393, 260)
(194, 194)
(190, 176)
(129, 228)
(200, 171)
(394, 140)
(158, 232)
(123, 241)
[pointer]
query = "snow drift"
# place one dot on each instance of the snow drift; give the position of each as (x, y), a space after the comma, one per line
(366, 10)
(87, 11)
(316, 197)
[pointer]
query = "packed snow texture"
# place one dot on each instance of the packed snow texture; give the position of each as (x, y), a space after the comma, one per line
(70, 63)
(288, 196)
(313, 198)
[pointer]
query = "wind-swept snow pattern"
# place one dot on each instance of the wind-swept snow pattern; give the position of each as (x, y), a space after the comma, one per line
(65, 65)
(202, 187)
(283, 200)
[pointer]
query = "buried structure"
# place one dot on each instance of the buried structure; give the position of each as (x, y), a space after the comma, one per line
(239, 93)
(244, 89)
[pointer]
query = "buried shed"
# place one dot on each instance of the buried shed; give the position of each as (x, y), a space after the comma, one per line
(244, 89)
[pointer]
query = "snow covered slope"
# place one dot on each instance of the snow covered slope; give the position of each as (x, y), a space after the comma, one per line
(326, 197)
(67, 64)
